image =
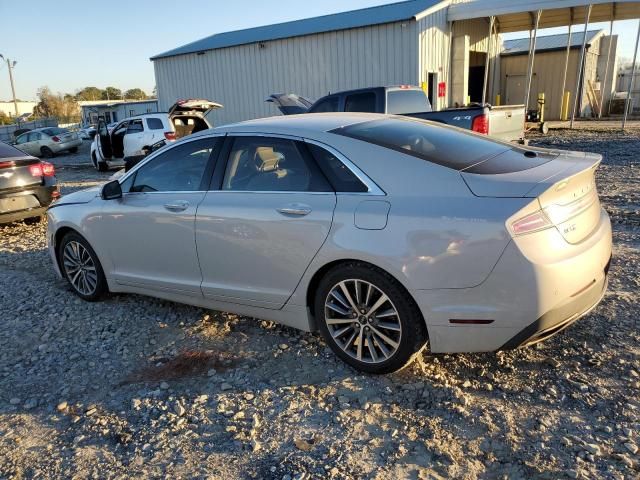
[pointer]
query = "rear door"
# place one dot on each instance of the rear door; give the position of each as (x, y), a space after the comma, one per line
(103, 139)
(268, 213)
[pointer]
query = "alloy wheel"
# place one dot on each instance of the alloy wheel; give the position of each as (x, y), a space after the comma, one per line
(80, 268)
(363, 321)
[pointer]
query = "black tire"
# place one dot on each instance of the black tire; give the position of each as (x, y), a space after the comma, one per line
(101, 288)
(47, 152)
(410, 340)
(73, 150)
(100, 166)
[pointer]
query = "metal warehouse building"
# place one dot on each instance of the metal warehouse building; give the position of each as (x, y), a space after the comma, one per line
(598, 80)
(451, 47)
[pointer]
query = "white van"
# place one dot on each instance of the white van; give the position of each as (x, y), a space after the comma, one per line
(134, 136)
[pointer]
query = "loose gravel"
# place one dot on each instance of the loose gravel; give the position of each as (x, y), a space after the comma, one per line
(139, 387)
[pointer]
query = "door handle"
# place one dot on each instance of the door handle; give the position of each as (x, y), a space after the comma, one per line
(177, 206)
(297, 210)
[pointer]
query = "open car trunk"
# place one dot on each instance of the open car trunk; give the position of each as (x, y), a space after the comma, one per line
(289, 103)
(188, 116)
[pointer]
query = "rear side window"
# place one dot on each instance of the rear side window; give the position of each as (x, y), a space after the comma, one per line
(407, 101)
(360, 102)
(438, 144)
(342, 179)
(327, 105)
(155, 124)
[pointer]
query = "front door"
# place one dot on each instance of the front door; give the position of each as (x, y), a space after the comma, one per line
(261, 226)
(28, 143)
(104, 141)
(149, 232)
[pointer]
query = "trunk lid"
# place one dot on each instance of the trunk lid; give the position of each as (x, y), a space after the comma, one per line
(192, 106)
(564, 187)
(289, 103)
(14, 168)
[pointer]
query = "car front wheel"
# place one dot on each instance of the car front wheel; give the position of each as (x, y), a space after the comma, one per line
(81, 267)
(368, 319)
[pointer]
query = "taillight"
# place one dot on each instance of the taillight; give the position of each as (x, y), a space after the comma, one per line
(43, 169)
(8, 164)
(55, 139)
(480, 124)
(48, 170)
(533, 222)
(171, 136)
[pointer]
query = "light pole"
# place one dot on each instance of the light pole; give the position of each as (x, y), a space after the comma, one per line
(10, 66)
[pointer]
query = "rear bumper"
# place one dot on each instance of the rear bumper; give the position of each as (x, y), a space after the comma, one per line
(39, 199)
(540, 285)
(556, 320)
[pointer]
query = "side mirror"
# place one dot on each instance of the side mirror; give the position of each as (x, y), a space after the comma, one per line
(111, 190)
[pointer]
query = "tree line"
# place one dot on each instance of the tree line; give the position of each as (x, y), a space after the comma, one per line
(64, 106)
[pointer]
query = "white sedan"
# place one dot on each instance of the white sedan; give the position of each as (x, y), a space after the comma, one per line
(385, 233)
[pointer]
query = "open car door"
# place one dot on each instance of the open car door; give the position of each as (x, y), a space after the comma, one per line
(103, 138)
(289, 103)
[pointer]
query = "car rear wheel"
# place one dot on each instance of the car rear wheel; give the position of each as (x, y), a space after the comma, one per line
(81, 267)
(46, 152)
(368, 319)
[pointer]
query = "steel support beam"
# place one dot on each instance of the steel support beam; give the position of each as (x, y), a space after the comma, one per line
(606, 68)
(486, 62)
(532, 57)
(633, 74)
(566, 63)
(580, 67)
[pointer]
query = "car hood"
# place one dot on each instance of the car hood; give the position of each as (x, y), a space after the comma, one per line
(81, 196)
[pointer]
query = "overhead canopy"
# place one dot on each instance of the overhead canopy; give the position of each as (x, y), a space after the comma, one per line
(517, 15)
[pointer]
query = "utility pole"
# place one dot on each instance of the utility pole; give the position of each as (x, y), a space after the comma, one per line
(10, 66)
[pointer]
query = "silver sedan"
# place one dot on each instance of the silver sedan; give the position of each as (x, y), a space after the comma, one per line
(385, 233)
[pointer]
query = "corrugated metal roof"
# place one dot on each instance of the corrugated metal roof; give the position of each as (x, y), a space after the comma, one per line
(519, 46)
(394, 12)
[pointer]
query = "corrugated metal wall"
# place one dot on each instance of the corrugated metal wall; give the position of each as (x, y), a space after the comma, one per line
(242, 77)
(434, 45)
(548, 71)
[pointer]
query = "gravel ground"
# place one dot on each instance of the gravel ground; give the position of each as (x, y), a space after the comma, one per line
(141, 387)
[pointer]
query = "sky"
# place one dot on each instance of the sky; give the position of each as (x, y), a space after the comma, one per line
(78, 44)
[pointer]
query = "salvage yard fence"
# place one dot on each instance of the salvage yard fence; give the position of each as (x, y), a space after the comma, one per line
(7, 131)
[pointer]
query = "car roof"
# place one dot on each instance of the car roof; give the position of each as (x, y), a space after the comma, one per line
(300, 125)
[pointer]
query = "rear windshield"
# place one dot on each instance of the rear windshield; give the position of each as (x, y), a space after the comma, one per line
(407, 101)
(7, 151)
(55, 131)
(440, 144)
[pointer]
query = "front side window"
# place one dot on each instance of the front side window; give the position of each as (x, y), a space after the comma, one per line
(327, 105)
(360, 102)
(262, 164)
(135, 126)
(178, 169)
(154, 124)
(34, 137)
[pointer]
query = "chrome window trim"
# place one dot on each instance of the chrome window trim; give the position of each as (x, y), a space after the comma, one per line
(372, 187)
(158, 152)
